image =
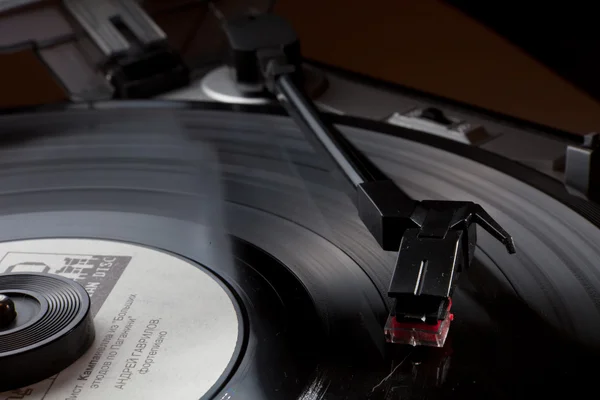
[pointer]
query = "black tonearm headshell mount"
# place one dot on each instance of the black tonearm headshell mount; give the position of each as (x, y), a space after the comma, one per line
(435, 240)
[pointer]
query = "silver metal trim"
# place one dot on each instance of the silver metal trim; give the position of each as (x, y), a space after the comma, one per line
(96, 18)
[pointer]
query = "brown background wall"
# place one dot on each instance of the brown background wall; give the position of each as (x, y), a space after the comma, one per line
(431, 46)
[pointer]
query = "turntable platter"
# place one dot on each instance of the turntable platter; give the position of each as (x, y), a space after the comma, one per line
(111, 174)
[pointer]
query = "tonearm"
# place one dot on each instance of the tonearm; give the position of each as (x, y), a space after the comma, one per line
(435, 240)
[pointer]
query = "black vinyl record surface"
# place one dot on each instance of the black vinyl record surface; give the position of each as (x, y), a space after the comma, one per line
(243, 197)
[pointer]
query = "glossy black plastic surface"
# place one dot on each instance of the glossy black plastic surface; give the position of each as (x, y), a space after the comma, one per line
(525, 325)
(52, 327)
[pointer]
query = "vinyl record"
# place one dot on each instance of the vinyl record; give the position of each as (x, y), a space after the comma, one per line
(230, 238)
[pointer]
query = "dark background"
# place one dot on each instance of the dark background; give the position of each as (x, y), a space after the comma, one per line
(565, 38)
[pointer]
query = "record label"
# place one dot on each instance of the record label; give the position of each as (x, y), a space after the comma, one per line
(165, 329)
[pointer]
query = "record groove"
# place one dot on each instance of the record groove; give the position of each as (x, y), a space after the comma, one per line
(280, 198)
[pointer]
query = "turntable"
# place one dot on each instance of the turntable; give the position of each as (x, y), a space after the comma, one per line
(208, 250)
